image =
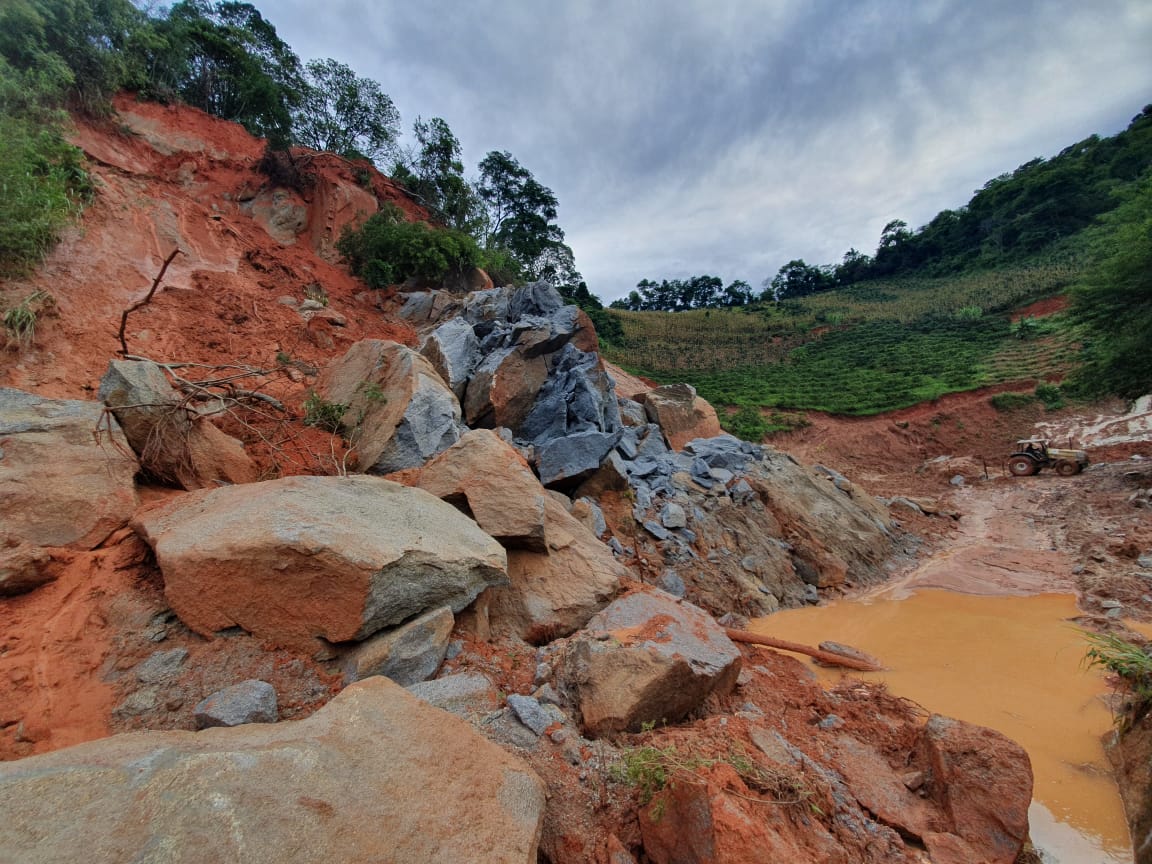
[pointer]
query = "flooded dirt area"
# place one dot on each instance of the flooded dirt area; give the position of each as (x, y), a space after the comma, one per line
(1014, 664)
(990, 629)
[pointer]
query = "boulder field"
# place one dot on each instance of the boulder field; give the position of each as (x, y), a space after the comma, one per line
(242, 596)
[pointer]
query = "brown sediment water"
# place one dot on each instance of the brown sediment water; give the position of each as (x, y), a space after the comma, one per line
(1014, 664)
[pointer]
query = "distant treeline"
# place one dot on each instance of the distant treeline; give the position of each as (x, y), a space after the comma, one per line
(1013, 217)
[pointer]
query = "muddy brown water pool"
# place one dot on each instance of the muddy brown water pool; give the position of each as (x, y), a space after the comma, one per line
(1014, 664)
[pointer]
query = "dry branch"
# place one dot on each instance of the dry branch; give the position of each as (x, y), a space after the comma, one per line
(148, 299)
(796, 648)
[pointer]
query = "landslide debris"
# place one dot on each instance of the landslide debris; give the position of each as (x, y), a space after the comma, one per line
(521, 463)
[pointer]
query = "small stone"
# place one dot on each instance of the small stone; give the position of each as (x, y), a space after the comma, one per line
(811, 595)
(250, 701)
(832, 721)
(673, 516)
(1078, 569)
(957, 480)
(559, 736)
(543, 673)
(1111, 604)
(671, 582)
(913, 780)
(656, 530)
(529, 712)
(161, 666)
(138, 702)
(1145, 560)
(547, 695)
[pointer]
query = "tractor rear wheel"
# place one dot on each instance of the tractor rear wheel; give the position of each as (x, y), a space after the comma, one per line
(1067, 468)
(1023, 466)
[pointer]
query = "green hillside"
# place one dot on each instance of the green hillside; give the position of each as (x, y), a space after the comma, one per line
(932, 312)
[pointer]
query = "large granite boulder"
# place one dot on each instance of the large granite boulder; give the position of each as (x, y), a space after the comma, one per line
(398, 410)
(175, 444)
(302, 557)
(66, 472)
(681, 414)
(487, 479)
(553, 593)
(375, 775)
(647, 657)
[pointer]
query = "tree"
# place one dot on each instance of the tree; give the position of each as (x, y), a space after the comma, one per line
(737, 293)
(434, 173)
(1115, 305)
(70, 50)
(226, 59)
(797, 279)
(346, 115)
(519, 213)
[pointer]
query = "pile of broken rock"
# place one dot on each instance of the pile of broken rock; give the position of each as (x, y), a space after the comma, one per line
(525, 501)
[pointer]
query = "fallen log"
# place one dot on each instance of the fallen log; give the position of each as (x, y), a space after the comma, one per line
(796, 648)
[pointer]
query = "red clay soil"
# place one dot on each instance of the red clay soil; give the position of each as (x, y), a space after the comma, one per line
(889, 453)
(172, 177)
(1041, 308)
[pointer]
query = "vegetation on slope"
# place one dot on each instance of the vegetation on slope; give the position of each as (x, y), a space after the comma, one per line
(225, 58)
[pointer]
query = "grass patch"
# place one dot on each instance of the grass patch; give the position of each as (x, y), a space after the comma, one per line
(20, 320)
(1131, 663)
(322, 414)
(652, 769)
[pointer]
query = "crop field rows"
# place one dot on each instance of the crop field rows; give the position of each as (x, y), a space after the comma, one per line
(863, 350)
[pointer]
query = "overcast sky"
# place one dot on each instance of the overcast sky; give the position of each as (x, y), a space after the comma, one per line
(727, 137)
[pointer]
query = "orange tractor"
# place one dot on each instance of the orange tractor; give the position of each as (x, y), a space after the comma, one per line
(1033, 454)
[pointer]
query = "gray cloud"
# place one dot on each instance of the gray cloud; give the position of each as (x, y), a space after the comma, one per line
(690, 137)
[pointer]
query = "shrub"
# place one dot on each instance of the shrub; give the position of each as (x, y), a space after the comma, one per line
(42, 185)
(1050, 395)
(323, 414)
(20, 320)
(747, 423)
(387, 251)
(1011, 401)
(1130, 662)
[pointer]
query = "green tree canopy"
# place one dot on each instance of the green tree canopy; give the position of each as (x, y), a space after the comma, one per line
(519, 214)
(340, 113)
(1115, 304)
(434, 173)
(226, 59)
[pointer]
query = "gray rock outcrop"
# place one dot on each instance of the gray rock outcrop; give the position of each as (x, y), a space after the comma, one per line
(398, 411)
(175, 444)
(408, 654)
(250, 701)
